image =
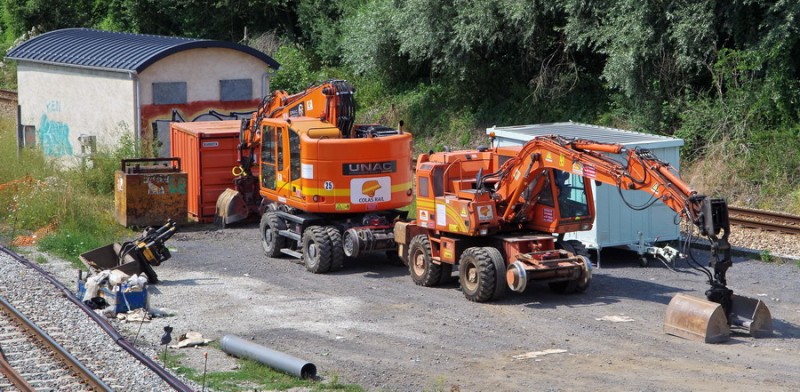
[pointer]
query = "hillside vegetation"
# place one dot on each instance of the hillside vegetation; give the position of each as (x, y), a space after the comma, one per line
(722, 75)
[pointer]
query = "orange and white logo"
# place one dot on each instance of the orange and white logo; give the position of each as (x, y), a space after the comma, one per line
(485, 213)
(370, 190)
(370, 187)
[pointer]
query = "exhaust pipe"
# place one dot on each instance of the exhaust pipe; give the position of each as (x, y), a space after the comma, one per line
(286, 363)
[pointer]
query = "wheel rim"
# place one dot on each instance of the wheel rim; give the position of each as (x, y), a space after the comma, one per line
(348, 244)
(419, 264)
(471, 277)
(269, 239)
(312, 251)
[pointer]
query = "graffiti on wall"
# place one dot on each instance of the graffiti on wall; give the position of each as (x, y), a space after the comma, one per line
(54, 137)
(158, 117)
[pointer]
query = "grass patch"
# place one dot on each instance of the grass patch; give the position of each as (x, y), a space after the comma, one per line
(76, 202)
(250, 376)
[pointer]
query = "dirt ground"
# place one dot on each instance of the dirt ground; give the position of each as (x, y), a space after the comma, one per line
(370, 325)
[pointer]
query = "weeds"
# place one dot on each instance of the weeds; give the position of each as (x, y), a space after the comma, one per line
(77, 202)
(251, 375)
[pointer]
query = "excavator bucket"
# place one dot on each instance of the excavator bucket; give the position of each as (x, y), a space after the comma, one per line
(231, 208)
(696, 319)
(752, 315)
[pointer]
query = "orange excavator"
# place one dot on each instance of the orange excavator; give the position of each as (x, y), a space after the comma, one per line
(500, 215)
(325, 188)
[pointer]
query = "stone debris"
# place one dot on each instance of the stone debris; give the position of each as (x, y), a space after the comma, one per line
(616, 319)
(535, 354)
(191, 339)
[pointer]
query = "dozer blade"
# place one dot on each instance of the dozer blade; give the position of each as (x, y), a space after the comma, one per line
(696, 319)
(231, 208)
(752, 315)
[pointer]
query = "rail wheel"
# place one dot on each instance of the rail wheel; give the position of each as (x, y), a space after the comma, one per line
(317, 254)
(337, 251)
(271, 241)
(477, 274)
(581, 283)
(424, 272)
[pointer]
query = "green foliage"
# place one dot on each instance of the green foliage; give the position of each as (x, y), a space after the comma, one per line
(98, 174)
(765, 256)
(295, 73)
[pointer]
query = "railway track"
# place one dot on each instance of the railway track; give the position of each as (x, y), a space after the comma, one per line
(32, 360)
(765, 220)
(8, 96)
(63, 317)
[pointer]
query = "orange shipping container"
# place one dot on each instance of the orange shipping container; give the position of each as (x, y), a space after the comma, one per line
(208, 152)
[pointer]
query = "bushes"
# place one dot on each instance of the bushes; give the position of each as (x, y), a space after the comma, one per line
(78, 201)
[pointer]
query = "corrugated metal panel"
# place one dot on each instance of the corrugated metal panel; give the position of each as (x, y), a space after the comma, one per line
(208, 154)
(586, 131)
(88, 48)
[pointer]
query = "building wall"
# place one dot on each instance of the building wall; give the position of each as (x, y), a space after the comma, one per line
(201, 70)
(64, 103)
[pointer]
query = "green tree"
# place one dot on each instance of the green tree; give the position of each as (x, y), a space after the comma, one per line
(20, 16)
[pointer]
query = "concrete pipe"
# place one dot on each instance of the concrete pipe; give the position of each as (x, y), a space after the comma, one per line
(241, 348)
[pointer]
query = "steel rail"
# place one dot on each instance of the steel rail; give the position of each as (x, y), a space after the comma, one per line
(63, 354)
(762, 219)
(8, 95)
(169, 378)
(13, 376)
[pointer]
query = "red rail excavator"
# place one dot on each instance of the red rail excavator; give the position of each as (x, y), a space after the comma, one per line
(325, 188)
(500, 215)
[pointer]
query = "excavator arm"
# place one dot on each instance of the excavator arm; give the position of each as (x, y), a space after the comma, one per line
(643, 171)
(331, 101)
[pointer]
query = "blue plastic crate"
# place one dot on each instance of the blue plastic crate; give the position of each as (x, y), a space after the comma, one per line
(124, 301)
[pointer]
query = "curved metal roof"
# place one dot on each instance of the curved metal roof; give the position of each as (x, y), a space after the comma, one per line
(586, 131)
(97, 49)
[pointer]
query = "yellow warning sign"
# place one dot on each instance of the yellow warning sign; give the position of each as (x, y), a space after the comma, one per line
(654, 189)
(548, 157)
(561, 160)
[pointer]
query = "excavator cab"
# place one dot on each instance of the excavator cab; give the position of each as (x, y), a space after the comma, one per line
(563, 202)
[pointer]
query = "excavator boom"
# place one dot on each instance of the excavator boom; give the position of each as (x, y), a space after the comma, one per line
(644, 171)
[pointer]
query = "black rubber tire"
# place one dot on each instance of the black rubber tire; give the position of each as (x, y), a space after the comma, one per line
(580, 284)
(477, 275)
(317, 255)
(447, 273)
(271, 241)
(501, 287)
(424, 272)
(337, 251)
